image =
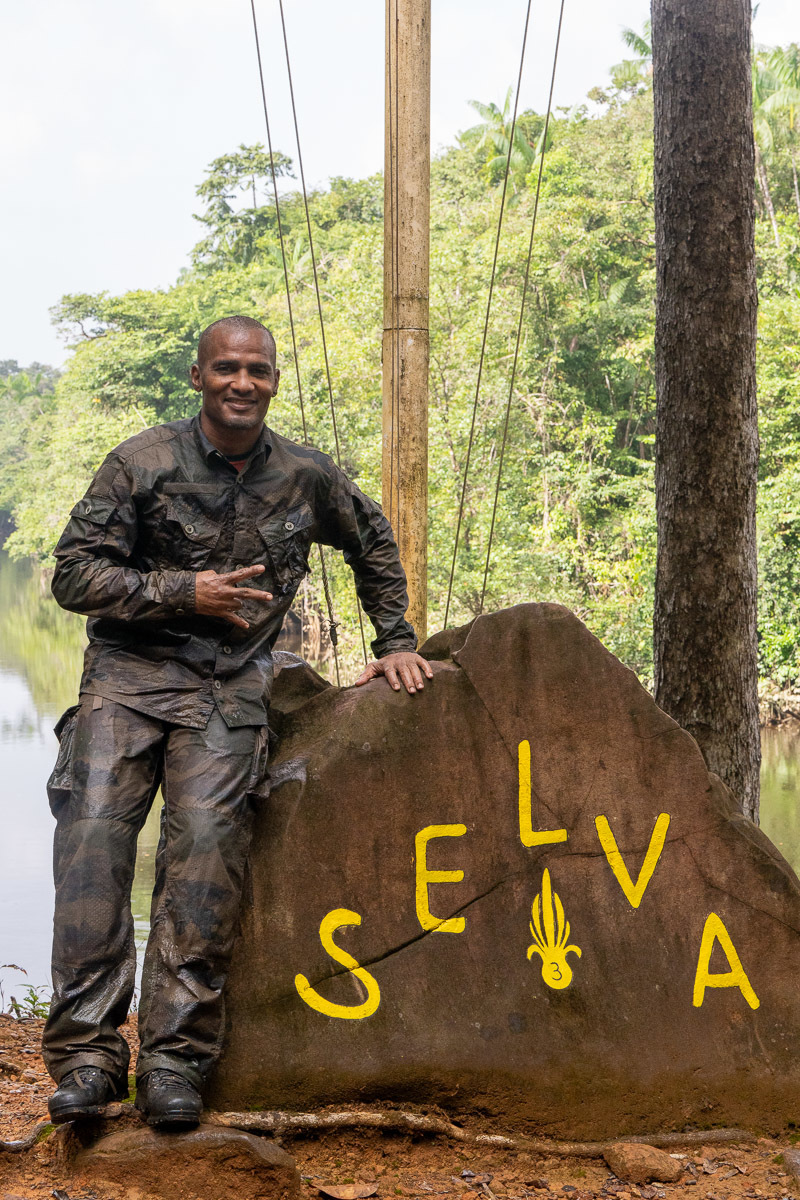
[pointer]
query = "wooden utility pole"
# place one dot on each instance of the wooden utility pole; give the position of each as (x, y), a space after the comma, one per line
(405, 291)
(707, 435)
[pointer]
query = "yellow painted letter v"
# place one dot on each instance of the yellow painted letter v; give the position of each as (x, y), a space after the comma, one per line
(633, 891)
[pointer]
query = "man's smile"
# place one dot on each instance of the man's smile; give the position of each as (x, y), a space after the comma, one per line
(236, 402)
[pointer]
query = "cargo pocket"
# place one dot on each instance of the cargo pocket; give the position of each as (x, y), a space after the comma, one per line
(258, 783)
(288, 540)
(59, 785)
(192, 534)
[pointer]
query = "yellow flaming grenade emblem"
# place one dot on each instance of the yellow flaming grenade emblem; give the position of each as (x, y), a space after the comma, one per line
(550, 932)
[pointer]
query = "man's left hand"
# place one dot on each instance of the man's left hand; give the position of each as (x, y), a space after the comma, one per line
(406, 666)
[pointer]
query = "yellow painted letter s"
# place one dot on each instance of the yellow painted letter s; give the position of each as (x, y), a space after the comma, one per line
(348, 1012)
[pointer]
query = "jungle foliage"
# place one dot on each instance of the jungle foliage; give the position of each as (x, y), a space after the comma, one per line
(576, 521)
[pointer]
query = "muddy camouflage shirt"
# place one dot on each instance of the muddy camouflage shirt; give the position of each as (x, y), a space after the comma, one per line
(165, 505)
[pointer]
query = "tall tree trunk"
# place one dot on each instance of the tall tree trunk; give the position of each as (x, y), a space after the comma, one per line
(763, 183)
(796, 188)
(707, 435)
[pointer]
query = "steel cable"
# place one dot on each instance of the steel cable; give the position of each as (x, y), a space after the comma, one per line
(316, 283)
(332, 623)
(522, 306)
(486, 321)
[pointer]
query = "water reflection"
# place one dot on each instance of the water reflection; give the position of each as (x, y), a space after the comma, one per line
(780, 790)
(41, 656)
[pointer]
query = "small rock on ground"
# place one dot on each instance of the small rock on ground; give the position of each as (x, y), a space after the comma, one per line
(637, 1163)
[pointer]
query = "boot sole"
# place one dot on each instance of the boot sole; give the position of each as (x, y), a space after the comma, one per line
(74, 1114)
(173, 1121)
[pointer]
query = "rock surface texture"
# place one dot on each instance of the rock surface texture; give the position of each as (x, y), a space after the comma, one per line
(620, 954)
(225, 1164)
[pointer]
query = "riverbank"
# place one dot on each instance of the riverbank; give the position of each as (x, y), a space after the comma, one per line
(778, 707)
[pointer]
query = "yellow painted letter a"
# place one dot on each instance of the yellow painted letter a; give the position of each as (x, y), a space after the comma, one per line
(348, 1012)
(715, 930)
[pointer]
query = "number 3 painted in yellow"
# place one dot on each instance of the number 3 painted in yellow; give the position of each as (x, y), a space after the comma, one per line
(349, 1012)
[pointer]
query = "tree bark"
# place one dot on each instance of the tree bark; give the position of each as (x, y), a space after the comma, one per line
(707, 435)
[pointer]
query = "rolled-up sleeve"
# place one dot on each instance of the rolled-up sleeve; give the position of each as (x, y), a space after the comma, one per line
(94, 573)
(356, 525)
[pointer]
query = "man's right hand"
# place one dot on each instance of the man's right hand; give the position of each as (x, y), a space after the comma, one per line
(218, 596)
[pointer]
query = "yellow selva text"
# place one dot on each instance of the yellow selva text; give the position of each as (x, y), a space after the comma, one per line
(425, 876)
(334, 920)
(714, 930)
(633, 891)
(528, 835)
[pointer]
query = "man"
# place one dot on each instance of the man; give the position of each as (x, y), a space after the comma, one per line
(185, 554)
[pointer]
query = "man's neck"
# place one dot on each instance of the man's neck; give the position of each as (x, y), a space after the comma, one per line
(231, 442)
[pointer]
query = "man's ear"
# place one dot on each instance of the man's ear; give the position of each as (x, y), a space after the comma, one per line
(277, 381)
(194, 375)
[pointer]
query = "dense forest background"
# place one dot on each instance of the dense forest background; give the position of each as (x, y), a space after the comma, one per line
(576, 517)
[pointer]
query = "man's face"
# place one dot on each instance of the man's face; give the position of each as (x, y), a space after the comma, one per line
(237, 377)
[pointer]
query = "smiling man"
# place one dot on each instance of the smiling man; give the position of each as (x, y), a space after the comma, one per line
(185, 554)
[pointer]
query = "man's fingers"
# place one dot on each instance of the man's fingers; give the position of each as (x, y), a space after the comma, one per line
(235, 619)
(417, 675)
(243, 573)
(391, 676)
(241, 593)
(368, 673)
(407, 678)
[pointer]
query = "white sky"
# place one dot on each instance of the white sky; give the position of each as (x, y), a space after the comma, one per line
(109, 114)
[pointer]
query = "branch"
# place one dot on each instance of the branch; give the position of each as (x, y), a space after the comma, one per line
(287, 1123)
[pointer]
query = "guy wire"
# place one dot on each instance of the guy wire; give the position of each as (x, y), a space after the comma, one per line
(332, 624)
(393, 87)
(316, 283)
(486, 322)
(392, 305)
(522, 305)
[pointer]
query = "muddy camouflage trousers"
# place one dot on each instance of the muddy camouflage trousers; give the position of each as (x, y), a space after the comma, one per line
(111, 763)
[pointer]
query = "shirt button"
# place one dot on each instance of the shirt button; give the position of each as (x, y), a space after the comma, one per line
(217, 684)
(188, 528)
(179, 611)
(289, 525)
(226, 649)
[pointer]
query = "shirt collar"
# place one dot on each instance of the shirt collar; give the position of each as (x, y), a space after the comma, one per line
(260, 451)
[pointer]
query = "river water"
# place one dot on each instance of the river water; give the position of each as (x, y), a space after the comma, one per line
(41, 650)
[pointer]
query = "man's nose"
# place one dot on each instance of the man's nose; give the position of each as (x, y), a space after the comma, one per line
(242, 382)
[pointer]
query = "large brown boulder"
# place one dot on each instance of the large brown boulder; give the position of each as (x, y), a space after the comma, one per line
(564, 987)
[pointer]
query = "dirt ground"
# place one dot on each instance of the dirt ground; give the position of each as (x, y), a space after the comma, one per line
(397, 1165)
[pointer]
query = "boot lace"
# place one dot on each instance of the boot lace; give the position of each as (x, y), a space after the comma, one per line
(160, 1077)
(85, 1075)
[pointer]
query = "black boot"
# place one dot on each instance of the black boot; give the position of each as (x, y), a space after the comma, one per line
(82, 1093)
(168, 1099)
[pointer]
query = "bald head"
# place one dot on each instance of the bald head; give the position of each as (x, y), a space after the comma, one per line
(235, 324)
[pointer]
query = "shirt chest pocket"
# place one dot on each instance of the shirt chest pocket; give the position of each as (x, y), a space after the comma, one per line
(287, 536)
(190, 534)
